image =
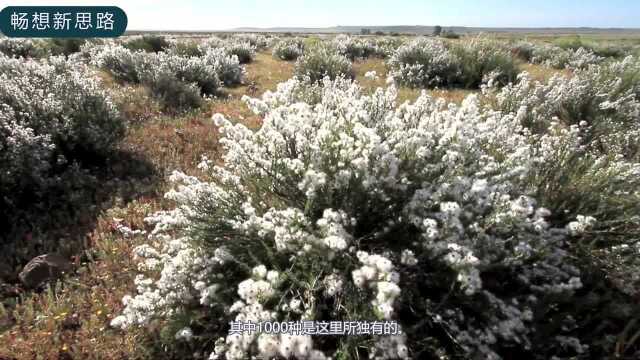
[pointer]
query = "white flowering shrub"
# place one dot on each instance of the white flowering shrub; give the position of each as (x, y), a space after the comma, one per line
(385, 47)
(124, 64)
(55, 117)
(351, 208)
(147, 43)
(257, 41)
(322, 61)
(587, 127)
(187, 48)
(523, 50)
(603, 97)
(212, 42)
(243, 50)
(354, 47)
(559, 58)
(190, 70)
(177, 81)
(25, 156)
(288, 49)
(482, 60)
(582, 58)
(227, 67)
(61, 99)
(25, 48)
(424, 63)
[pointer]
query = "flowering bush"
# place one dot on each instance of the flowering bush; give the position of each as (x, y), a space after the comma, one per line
(243, 50)
(259, 42)
(354, 47)
(189, 70)
(424, 63)
(177, 81)
(186, 48)
(227, 66)
(350, 208)
(384, 47)
(558, 58)
(288, 49)
(596, 161)
(322, 61)
(54, 116)
(63, 100)
(148, 43)
(25, 48)
(605, 97)
(523, 50)
(482, 60)
(121, 62)
(427, 63)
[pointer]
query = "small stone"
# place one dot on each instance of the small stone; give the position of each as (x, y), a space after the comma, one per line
(42, 269)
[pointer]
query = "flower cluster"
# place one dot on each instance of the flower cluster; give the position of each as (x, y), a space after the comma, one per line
(586, 133)
(559, 58)
(384, 47)
(257, 41)
(178, 81)
(426, 63)
(288, 49)
(423, 63)
(354, 47)
(322, 61)
(54, 117)
(241, 49)
(349, 206)
(25, 48)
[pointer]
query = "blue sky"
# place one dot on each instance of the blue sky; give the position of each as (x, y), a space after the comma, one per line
(226, 14)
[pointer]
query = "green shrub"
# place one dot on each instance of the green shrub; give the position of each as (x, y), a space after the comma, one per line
(288, 49)
(424, 63)
(148, 43)
(124, 64)
(523, 50)
(482, 61)
(24, 48)
(173, 93)
(571, 43)
(190, 76)
(56, 122)
(355, 208)
(354, 47)
(243, 50)
(64, 47)
(449, 34)
(187, 48)
(321, 61)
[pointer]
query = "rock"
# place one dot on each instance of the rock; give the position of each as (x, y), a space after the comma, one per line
(42, 269)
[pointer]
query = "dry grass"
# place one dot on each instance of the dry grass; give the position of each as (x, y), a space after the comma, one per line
(264, 73)
(542, 73)
(71, 321)
(404, 93)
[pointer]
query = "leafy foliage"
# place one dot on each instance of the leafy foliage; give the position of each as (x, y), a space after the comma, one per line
(322, 61)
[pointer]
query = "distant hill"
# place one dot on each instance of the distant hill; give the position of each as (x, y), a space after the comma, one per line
(422, 30)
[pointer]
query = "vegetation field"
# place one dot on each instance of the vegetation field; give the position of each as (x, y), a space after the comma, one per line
(479, 192)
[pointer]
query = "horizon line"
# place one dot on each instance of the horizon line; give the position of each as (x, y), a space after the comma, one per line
(385, 26)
